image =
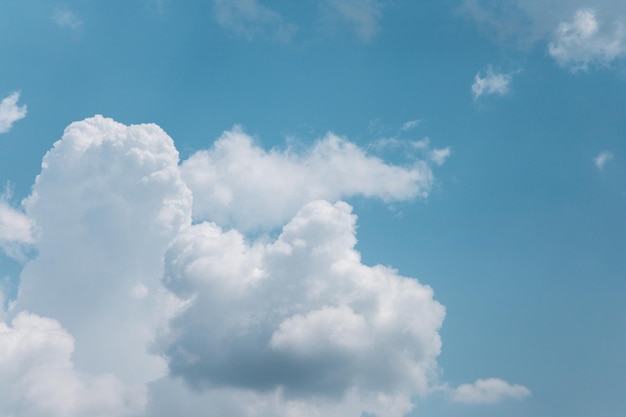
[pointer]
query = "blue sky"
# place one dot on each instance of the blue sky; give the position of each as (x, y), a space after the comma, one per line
(339, 208)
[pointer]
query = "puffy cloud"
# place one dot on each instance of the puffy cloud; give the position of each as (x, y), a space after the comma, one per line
(301, 316)
(67, 18)
(124, 288)
(489, 391)
(583, 41)
(577, 36)
(10, 112)
(249, 18)
(492, 83)
(37, 377)
(362, 15)
(439, 156)
(602, 159)
(16, 230)
(237, 183)
(106, 204)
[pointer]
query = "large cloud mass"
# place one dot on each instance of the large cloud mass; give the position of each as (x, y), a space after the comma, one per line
(129, 308)
(106, 204)
(301, 314)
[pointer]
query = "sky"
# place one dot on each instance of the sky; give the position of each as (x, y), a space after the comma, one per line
(338, 208)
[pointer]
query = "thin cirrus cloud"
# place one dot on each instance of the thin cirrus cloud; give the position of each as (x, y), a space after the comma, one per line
(11, 112)
(250, 19)
(131, 307)
(488, 391)
(586, 41)
(492, 83)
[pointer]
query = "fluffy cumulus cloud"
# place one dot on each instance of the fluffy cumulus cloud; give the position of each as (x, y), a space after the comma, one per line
(237, 182)
(250, 19)
(10, 112)
(130, 308)
(363, 16)
(38, 379)
(493, 83)
(576, 35)
(489, 391)
(301, 315)
(107, 202)
(584, 41)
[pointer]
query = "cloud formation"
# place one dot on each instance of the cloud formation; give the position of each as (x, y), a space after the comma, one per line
(301, 314)
(492, 83)
(363, 16)
(16, 231)
(107, 202)
(37, 376)
(232, 181)
(10, 112)
(250, 19)
(489, 391)
(584, 41)
(67, 19)
(602, 158)
(131, 309)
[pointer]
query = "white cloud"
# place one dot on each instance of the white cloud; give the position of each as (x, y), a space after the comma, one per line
(301, 316)
(411, 124)
(492, 83)
(67, 18)
(439, 156)
(584, 41)
(363, 16)
(249, 18)
(107, 202)
(10, 112)
(37, 377)
(124, 288)
(602, 159)
(489, 391)
(236, 182)
(577, 36)
(16, 230)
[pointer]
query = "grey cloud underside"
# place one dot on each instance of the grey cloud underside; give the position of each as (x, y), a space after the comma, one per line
(304, 314)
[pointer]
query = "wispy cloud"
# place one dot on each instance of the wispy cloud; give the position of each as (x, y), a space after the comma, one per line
(411, 124)
(67, 18)
(602, 158)
(250, 19)
(585, 40)
(488, 391)
(492, 83)
(10, 112)
(363, 16)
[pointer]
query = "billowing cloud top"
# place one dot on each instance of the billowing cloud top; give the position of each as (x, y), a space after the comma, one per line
(130, 309)
(301, 314)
